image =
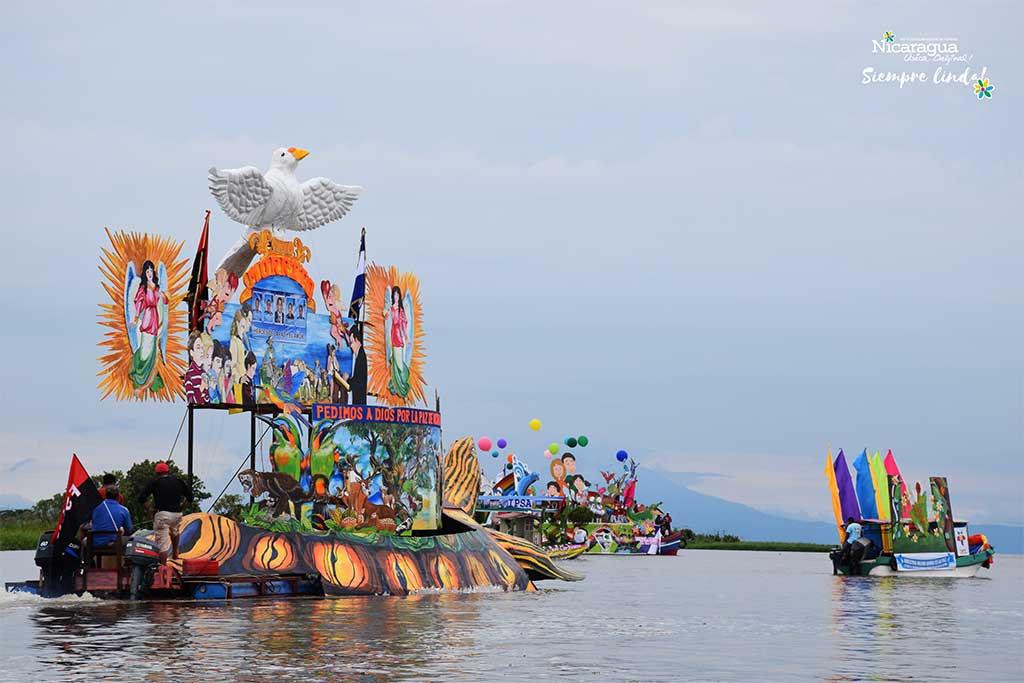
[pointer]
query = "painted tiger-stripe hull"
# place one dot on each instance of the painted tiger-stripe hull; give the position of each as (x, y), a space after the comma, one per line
(373, 563)
(535, 561)
(356, 564)
(462, 476)
(570, 553)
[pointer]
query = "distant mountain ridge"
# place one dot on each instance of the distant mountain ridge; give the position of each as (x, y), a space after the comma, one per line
(708, 514)
(12, 501)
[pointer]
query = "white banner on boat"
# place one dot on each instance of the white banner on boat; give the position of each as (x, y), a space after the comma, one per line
(918, 562)
(962, 547)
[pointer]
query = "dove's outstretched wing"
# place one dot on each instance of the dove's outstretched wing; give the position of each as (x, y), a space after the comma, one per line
(324, 201)
(241, 192)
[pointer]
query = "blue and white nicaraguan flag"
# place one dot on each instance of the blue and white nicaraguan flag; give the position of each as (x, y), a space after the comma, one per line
(359, 286)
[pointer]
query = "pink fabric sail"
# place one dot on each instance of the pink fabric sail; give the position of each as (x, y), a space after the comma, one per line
(892, 470)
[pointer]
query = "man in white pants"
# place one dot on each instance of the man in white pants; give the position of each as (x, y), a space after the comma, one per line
(168, 494)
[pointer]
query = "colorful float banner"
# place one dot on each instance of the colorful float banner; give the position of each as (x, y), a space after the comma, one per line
(917, 562)
(915, 533)
(384, 464)
(942, 511)
(414, 416)
(145, 281)
(881, 484)
(519, 503)
(394, 336)
(847, 495)
(273, 346)
(865, 487)
(253, 359)
(963, 547)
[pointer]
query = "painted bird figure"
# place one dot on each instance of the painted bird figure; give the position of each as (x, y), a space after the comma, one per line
(276, 200)
(287, 449)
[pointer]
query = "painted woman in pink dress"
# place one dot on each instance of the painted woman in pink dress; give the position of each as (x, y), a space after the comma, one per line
(398, 338)
(148, 301)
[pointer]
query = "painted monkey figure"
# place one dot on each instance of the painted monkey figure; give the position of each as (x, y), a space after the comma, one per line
(283, 493)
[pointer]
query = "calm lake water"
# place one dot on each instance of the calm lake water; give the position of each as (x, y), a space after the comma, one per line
(703, 616)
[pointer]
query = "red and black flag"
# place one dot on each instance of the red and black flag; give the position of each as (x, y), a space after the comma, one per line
(80, 497)
(197, 295)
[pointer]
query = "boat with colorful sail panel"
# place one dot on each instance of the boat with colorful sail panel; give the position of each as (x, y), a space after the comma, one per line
(893, 534)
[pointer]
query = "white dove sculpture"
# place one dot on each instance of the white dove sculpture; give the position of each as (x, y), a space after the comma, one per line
(276, 200)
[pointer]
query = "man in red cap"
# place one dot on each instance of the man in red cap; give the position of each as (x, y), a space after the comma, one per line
(168, 494)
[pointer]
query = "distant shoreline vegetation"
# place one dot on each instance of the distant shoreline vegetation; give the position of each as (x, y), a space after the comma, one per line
(776, 546)
(723, 541)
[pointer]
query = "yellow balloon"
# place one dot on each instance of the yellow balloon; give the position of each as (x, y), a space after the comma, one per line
(535, 424)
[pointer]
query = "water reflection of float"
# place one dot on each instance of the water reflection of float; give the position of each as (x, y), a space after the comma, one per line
(360, 498)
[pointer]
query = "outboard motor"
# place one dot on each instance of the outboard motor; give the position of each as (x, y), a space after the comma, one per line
(57, 574)
(836, 555)
(860, 550)
(142, 554)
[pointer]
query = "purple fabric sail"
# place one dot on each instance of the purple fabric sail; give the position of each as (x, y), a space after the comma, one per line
(847, 495)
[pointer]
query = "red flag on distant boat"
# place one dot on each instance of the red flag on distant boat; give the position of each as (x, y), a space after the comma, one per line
(197, 295)
(80, 497)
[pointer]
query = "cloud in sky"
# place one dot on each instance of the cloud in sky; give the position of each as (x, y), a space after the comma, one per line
(685, 231)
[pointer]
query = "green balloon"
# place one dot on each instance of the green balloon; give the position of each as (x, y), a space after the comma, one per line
(553, 448)
(571, 442)
(583, 441)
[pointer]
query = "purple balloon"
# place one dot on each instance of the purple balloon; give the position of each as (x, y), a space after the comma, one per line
(502, 443)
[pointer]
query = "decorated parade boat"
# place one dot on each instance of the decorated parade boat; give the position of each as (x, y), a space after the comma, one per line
(360, 498)
(575, 517)
(897, 535)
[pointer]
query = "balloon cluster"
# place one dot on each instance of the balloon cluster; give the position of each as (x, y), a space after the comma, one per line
(485, 444)
(554, 447)
(573, 441)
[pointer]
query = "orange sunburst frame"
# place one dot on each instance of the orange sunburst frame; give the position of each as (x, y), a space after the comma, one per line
(395, 375)
(145, 324)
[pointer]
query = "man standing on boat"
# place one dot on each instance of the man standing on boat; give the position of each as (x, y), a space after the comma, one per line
(853, 532)
(168, 494)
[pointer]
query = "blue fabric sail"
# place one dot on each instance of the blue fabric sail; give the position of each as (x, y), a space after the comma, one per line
(865, 487)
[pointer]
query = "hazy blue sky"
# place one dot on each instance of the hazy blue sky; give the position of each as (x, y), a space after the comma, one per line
(687, 230)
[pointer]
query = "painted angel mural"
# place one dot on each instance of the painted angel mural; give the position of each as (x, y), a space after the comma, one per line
(145, 281)
(395, 343)
(146, 314)
(397, 325)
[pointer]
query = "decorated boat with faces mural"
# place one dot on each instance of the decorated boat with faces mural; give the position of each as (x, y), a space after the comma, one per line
(572, 518)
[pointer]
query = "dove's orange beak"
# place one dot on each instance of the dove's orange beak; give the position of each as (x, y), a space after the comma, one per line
(299, 154)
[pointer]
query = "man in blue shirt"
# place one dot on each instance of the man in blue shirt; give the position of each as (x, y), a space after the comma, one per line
(108, 517)
(853, 530)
